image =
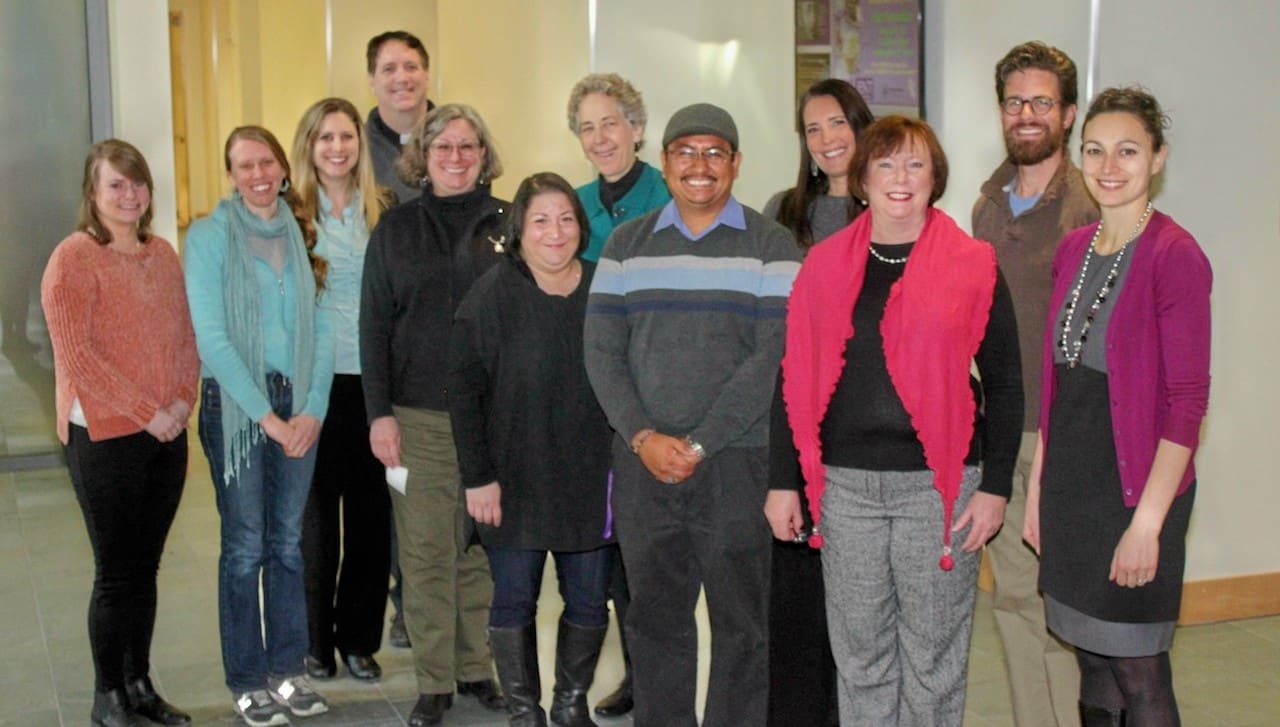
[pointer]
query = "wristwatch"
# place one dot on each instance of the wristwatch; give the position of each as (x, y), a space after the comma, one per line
(698, 449)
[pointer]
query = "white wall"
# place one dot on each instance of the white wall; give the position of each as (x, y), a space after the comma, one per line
(141, 99)
(1208, 64)
(679, 52)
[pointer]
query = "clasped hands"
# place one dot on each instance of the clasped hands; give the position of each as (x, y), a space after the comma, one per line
(295, 436)
(169, 421)
(669, 459)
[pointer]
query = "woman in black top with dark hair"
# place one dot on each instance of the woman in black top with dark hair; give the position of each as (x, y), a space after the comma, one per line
(533, 448)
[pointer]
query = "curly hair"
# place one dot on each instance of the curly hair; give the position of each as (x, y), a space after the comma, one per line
(630, 102)
(412, 165)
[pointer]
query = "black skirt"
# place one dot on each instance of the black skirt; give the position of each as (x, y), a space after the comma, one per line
(1083, 515)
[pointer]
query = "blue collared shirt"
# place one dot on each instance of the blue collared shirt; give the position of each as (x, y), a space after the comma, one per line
(342, 241)
(731, 214)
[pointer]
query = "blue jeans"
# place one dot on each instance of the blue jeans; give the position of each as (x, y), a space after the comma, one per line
(517, 579)
(261, 510)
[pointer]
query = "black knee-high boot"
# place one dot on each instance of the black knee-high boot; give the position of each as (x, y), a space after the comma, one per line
(577, 651)
(515, 653)
(1100, 716)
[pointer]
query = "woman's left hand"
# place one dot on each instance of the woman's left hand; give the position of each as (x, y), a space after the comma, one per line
(985, 512)
(1136, 557)
(306, 430)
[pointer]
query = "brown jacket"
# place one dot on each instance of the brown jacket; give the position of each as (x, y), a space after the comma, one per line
(1025, 246)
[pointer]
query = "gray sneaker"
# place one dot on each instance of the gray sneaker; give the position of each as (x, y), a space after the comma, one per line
(296, 694)
(258, 709)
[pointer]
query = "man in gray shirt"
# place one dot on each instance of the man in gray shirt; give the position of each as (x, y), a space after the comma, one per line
(684, 336)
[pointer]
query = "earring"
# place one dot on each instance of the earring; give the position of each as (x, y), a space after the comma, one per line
(284, 187)
(813, 168)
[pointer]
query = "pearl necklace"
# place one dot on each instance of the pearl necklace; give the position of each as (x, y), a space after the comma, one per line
(888, 260)
(1071, 352)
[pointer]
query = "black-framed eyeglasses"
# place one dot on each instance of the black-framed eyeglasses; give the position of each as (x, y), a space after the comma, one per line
(1041, 105)
(716, 156)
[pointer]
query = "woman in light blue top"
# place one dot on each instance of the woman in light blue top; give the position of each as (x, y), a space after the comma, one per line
(266, 358)
(334, 180)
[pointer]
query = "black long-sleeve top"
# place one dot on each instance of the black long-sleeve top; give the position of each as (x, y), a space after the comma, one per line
(866, 426)
(524, 413)
(422, 259)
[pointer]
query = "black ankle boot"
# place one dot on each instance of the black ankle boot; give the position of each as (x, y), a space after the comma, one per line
(1100, 716)
(149, 704)
(111, 709)
(515, 653)
(577, 650)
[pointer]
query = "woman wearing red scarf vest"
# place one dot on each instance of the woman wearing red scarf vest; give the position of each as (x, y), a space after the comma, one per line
(889, 427)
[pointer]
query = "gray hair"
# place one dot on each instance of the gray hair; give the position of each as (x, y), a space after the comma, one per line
(615, 87)
(412, 166)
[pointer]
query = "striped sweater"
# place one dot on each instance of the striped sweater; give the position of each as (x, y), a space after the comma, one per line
(685, 336)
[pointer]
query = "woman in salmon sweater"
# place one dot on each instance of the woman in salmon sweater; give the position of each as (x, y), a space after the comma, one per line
(126, 369)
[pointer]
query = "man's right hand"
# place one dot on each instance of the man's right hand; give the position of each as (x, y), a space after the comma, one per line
(667, 458)
(384, 440)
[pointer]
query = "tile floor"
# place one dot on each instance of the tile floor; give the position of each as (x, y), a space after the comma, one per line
(1226, 674)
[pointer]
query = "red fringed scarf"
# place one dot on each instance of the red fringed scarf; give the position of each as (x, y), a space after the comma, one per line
(933, 322)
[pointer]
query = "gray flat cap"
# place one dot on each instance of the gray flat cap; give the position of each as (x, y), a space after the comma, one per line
(701, 118)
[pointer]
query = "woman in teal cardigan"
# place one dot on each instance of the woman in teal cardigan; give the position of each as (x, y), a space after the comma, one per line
(607, 114)
(266, 358)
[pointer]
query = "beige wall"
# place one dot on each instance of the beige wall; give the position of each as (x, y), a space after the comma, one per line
(354, 22)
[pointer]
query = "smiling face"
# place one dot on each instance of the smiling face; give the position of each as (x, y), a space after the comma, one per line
(898, 186)
(256, 174)
(1118, 160)
(551, 233)
(120, 202)
(400, 79)
(1031, 139)
(830, 139)
(336, 149)
(699, 183)
(607, 138)
(454, 159)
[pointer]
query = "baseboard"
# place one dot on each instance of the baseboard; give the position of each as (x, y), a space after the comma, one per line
(1227, 599)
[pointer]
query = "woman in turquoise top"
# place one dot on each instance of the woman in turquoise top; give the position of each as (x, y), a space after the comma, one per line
(266, 358)
(335, 183)
(607, 114)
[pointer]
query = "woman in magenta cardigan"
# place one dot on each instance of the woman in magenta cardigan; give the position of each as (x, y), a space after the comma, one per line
(1126, 372)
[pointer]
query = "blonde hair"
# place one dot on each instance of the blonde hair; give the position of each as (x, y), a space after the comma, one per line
(374, 199)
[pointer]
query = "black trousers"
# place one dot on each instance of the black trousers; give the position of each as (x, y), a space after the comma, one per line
(346, 532)
(708, 532)
(128, 489)
(802, 673)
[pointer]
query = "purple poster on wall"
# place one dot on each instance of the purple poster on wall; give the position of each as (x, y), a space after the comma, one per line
(873, 44)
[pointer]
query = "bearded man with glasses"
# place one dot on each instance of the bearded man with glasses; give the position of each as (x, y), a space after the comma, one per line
(1034, 198)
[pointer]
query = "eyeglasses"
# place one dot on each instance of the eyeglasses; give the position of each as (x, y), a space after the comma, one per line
(715, 156)
(444, 150)
(1041, 105)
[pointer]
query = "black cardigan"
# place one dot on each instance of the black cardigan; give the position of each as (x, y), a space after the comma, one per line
(524, 413)
(414, 278)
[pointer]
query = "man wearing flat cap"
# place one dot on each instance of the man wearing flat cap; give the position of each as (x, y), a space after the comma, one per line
(684, 336)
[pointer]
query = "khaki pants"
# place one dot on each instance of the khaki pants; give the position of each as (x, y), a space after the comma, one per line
(447, 588)
(1044, 679)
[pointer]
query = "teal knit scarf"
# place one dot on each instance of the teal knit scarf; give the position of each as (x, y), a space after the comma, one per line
(242, 302)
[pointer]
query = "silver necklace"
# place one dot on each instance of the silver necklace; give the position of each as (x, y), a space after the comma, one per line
(1071, 351)
(887, 260)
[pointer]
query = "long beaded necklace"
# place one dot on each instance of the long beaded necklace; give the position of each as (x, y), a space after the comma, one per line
(1071, 352)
